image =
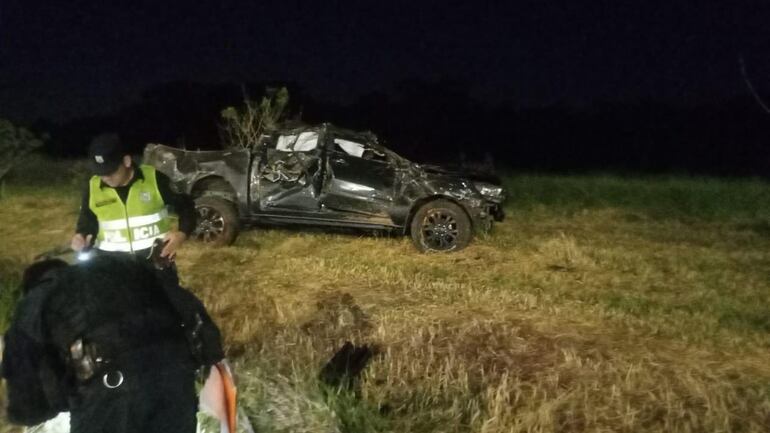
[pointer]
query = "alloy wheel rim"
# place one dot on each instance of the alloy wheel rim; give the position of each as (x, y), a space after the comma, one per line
(440, 231)
(211, 224)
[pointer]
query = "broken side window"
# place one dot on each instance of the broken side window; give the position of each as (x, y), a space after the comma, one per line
(350, 147)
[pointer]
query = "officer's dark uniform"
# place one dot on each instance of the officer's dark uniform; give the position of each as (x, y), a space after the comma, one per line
(105, 340)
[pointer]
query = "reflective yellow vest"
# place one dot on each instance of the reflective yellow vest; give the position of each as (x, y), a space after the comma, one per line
(134, 225)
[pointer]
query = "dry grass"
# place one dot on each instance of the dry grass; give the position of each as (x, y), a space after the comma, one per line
(598, 319)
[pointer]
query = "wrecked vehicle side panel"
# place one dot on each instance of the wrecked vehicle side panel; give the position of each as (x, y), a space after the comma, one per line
(418, 188)
(493, 205)
(388, 185)
(187, 169)
(286, 181)
(323, 175)
(359, 179)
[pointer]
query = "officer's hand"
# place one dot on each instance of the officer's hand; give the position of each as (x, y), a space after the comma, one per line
(173, 241)
(79, 242)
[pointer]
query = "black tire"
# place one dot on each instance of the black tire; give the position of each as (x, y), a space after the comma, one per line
(441, 226)
(216, 221)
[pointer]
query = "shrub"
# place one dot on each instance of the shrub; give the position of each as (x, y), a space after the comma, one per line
(15, 143)
(243, 127)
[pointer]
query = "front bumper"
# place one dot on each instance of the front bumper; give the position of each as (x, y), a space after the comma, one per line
(496, 210)
(484, 216)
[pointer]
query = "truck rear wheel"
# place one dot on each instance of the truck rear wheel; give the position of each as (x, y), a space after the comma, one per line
(216, 222)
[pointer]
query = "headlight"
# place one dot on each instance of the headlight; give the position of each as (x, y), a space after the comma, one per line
(488, 190)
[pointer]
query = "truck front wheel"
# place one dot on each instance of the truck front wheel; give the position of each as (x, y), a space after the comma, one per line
(217, 221)
(441, 226)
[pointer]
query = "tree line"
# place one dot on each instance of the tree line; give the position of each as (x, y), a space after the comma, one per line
(442, 122)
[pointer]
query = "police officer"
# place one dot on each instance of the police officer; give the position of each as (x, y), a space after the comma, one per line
(124, 207)
(109, 349)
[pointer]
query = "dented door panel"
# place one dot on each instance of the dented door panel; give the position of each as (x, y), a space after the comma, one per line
(287, 181)
(359, 185)
(289, 176)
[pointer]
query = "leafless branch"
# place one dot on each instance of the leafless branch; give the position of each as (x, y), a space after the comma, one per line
(751, 86)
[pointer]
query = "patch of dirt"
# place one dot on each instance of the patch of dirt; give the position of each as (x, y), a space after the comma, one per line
(337, 317)
(487, 349)
(761, 228)
(246, 325)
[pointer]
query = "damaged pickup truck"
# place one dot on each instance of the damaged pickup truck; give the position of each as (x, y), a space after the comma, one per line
(328, 176)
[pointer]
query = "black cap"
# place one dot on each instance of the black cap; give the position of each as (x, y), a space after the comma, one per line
(105, 154)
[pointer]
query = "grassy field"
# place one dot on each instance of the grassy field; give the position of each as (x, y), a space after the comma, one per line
(600, 304)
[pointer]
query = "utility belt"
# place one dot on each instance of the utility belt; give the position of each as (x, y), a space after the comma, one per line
(87, 360)
(110, 351)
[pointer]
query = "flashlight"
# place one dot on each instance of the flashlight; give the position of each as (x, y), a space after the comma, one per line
(85, 255)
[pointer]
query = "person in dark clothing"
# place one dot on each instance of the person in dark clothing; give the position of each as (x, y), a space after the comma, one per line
(124, 206)
(114, 351)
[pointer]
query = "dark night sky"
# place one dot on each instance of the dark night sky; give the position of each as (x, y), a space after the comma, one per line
(73, 58)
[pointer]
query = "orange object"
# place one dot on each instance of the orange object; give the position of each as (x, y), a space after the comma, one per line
(218, 396)
(230, 393)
